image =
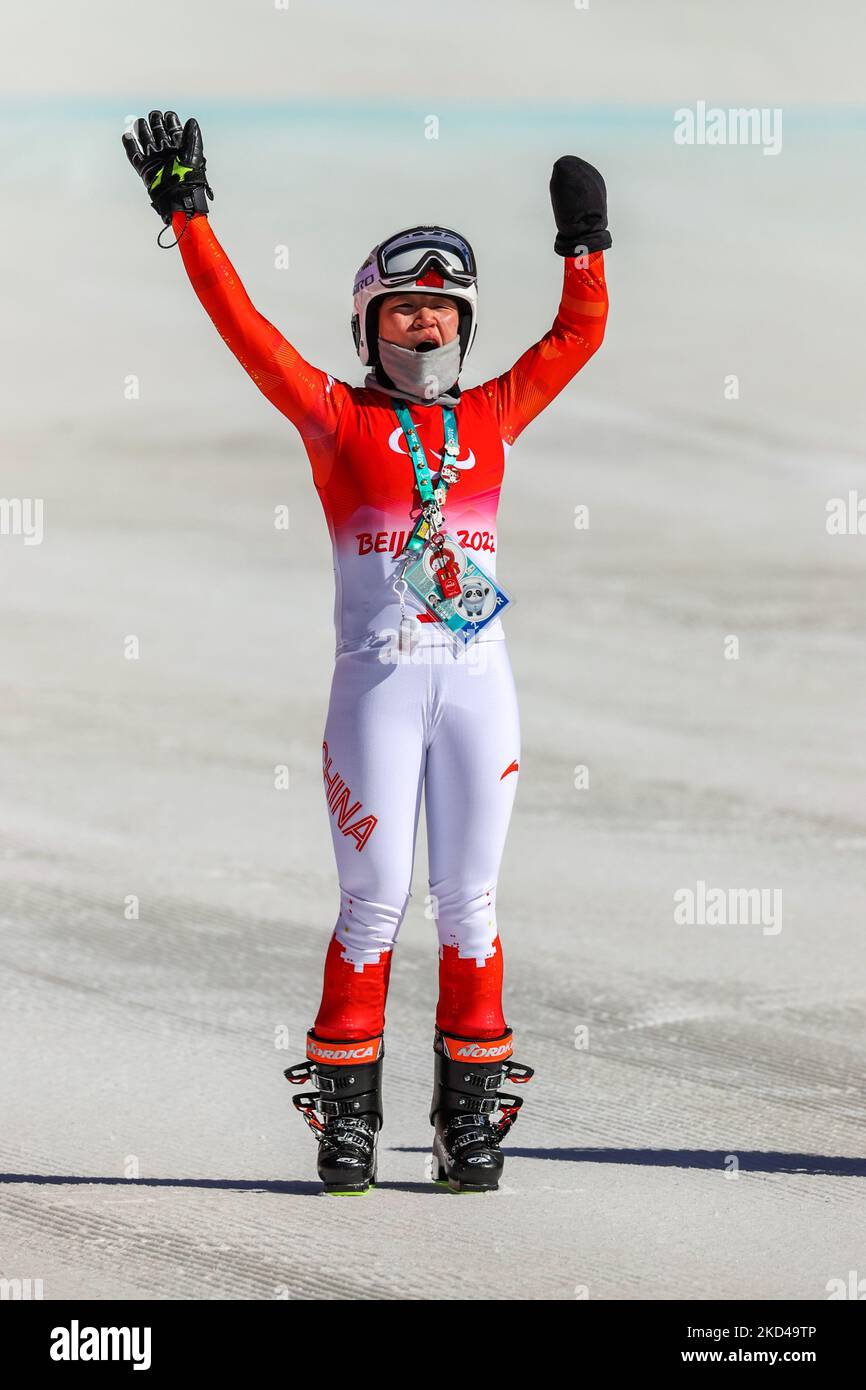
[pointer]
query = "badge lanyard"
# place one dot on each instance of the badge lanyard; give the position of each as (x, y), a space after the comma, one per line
(456, 592)
(429, 526)
(432, 500)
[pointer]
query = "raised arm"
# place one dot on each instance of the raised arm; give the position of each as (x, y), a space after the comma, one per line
(579, 199)
(307, 396)
(170, 159)
(577, 332)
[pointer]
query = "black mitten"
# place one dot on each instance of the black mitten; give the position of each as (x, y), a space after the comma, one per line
(579, 200)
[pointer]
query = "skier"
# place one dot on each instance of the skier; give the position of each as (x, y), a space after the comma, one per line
(422, 692)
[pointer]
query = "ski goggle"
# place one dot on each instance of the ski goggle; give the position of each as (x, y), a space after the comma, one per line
(408, 255)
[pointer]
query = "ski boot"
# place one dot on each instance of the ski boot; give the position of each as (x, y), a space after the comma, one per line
(349, 1098)
(467, 1076)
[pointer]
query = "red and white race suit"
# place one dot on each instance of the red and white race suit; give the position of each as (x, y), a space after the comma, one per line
(446, 723)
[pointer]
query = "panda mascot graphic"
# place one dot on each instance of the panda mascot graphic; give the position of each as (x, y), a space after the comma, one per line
(473, 598)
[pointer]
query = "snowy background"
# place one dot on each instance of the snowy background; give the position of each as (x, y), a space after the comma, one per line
(146, 1048)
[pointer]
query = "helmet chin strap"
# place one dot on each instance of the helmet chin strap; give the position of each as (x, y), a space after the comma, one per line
(425, 374)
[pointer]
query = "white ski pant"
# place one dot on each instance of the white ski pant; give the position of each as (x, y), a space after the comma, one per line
(443, 723)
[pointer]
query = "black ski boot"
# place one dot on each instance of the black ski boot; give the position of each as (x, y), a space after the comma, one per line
(467, 1076)
(349, 1077)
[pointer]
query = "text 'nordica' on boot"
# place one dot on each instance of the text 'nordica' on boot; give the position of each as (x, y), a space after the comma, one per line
(467, 1075)
(348, 1075)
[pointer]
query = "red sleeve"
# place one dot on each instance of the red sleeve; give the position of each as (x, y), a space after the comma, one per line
(540, 374)
(310, 398)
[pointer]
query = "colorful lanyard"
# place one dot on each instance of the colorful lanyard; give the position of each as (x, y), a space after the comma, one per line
(432, 499)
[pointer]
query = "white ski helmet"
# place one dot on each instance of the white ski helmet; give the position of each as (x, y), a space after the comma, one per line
(415, 261)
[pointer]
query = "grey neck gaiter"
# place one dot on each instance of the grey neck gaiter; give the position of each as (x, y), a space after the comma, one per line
(425, 377)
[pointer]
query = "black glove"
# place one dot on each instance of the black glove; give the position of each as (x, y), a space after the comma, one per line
(579, 200)
(171, 162)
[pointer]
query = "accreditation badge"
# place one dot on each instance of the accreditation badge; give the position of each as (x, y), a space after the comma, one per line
(462, 597)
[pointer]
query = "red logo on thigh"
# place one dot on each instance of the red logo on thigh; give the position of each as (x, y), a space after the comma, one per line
(338, 796)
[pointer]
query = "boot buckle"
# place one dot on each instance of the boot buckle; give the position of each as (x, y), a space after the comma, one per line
(509, 1105)
(338, 1107)
(308, 1104)
(299, 1074)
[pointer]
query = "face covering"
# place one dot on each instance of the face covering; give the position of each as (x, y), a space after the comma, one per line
(421, 376)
